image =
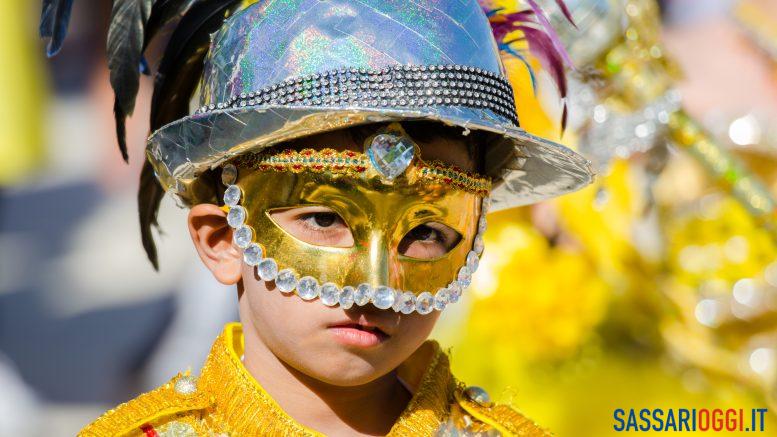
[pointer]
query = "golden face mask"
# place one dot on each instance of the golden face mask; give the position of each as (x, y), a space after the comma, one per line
(381, 195)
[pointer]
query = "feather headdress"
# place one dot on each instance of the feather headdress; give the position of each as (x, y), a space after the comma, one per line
(540, 37)
(134, 23)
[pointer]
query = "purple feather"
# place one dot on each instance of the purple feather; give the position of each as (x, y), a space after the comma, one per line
(541, 38)
(550, 31)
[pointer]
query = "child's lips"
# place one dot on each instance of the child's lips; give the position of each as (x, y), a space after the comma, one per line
(356, 334)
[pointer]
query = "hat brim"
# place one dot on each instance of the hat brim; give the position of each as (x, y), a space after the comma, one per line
(526, 168)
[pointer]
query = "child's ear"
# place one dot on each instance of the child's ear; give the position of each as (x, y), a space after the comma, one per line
(212, 237)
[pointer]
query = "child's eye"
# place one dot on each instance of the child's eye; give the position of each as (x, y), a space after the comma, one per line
(323, 219)
(317, 225)
(428, 241)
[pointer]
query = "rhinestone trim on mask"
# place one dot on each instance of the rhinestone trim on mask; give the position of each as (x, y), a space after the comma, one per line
(330, 294)
(352, 163)
(401, 86)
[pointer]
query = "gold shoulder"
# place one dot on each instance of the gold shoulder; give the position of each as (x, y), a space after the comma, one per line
(509, 422)
(175, 398)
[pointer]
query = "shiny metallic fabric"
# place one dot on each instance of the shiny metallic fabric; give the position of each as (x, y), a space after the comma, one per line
(275, 43)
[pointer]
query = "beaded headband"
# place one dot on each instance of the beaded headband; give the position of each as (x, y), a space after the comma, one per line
(355, 164)
(389, 152)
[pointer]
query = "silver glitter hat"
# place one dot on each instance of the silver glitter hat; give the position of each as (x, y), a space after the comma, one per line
(280, 70)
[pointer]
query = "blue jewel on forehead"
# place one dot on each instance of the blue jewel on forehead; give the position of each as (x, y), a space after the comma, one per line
(391, 152)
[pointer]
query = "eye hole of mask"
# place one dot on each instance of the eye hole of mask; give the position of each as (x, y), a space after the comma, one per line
(428, 241)
(317, 225)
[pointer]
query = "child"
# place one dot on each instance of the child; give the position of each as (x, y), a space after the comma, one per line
(338, 173)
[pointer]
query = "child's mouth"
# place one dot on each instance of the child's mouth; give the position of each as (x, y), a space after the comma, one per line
(355, 334)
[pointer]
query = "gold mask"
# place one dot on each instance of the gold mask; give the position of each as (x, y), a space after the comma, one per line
(379, 208)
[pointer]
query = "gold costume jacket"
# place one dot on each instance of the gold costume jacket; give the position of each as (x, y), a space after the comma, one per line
(227, 401)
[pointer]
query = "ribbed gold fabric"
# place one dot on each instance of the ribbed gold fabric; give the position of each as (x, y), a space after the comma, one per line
(228, 401)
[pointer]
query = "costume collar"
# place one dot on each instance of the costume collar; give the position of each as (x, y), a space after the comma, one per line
(247, 409)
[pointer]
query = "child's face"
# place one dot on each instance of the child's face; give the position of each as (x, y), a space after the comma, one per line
(349, 346)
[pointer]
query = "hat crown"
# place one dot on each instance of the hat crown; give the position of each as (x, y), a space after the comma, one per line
(271, 41)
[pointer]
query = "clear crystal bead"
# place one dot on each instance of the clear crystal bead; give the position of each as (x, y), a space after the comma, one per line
(236, 216)
(405, 302)
(232, 195)
(346, 297)
(308, 288)
(330, 294)
(478, 245)
(454, 292)
(473, 261)
(362, 295)
(228, 174)
(482, 224)
(267, 269)
(390, 154)
(252, 254)
(242, 236)
(384, 297)
(424, 303)
(286, 281)
(464, 277)
(441, 299)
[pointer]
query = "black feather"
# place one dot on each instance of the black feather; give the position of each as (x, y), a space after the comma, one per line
(182, 61)
(54, 18)
(125, 50)
(150, 195)
(164, 12)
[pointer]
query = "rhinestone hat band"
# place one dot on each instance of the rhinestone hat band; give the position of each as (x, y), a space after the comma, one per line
(355, 164)
(399, 86)
(330, 294)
